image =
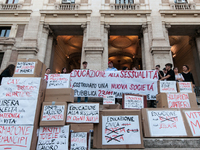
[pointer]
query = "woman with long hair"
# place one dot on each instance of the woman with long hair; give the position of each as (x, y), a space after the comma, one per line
(8, 72)
(64, 70)
(178, 76)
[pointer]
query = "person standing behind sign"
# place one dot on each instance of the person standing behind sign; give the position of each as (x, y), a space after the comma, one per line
(48, 71)
(170, 76)
(8, 72)
(110, 67)
(178, 76)
(64, 70)
(160, 73)
(84, 68)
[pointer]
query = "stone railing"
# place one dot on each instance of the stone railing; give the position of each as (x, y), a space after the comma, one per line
(125, 6)
(185, 6)
(67, 6)
(10, 6)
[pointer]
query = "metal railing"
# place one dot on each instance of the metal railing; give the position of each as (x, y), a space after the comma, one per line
(67, 6)
(10, 6)
(125, 6)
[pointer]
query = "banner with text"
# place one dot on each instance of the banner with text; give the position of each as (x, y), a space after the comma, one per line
(53, 112)
(56, 81)
(25, 68)
(83, 113)
(53, 138)
(15, 137)
(120, 130)
(92, 83)
(78, 141)
(178, 100)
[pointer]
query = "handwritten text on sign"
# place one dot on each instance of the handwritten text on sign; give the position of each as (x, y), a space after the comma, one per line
(53, 138)
(58, 81)
(193, 118)
(109, 99)
(185, 87)
(166, 123)
(79, 141)
(168, 86)
(91, 83)
(83, 113)
(20, 88)
(25, 68)
(178, 100)
(17, 111)
(15, 137)
(120, 130)
(53, 112)
(133, 102)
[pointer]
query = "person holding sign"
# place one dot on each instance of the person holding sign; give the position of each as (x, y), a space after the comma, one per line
(160, 73)
(48, 71)
(8, 72)
(84, 68)
(170, 76)
(110, 67)
(188, 75)
(64, 70)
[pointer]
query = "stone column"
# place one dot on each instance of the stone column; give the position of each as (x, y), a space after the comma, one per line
(13, 31)
(146, 51)
(143, 55)
(49, 50)
(43, 42)
(6, 59)
(198, 45)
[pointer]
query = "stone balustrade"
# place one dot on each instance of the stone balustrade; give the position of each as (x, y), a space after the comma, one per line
(10, 6)
(125, 6)
(67, 6)
(184, 6)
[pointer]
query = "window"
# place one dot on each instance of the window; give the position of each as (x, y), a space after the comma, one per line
(1, 58)
(180, 1)
(68, 1)
(12, 1)
(4, 31)
(124, 1)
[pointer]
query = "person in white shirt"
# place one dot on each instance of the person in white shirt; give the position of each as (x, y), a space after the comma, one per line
(178, 76)
(48, 71)
(110, 67)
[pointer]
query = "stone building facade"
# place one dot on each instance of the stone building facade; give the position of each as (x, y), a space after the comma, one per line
(64, 33)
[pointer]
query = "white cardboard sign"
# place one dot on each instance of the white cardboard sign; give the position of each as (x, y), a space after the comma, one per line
(109, 99)
(58, 81)
(120, 130)
(133, 102)
(54, 138)
(185, 87)
(16, 112)
(53, 112)
(193, 118)
(20, 88)
(83, 113)
(15, 137)
(168, 87)
(163, 123)
(78, 141)
(178, 100)
(25, 68)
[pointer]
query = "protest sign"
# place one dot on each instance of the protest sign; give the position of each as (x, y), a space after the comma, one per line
(193, 119)
(167, 87)
(164, 123)
(20, 88)
(53, 112)
(54, 138)
(178, 100)
(92, 83)
(56, 81)
(109, 99)
(15, 137)
(133, 101)
(120, 130)
(16, 112)
(25, 68)
(79, 141)
(83, 113)
(184, 87)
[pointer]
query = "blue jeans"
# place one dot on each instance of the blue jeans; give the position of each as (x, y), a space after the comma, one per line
(79, 99)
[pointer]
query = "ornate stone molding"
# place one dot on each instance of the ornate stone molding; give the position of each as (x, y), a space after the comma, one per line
(27, 50)
(135, 6)
(7, 41)
(67, 6)
(160, 49)
(94, 50)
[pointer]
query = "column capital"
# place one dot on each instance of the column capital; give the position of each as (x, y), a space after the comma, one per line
(167, 25)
